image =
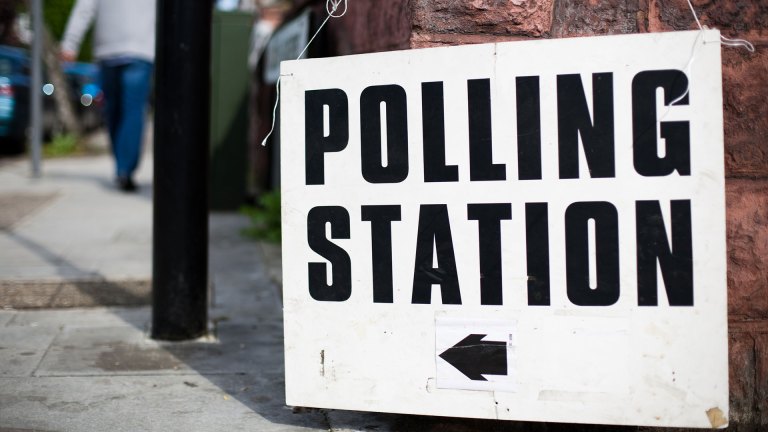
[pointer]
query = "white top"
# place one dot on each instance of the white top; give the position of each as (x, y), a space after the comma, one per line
(122, 28)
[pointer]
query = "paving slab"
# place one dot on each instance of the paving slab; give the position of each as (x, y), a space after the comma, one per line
(72, 224)
(152, 403)
(14, 207)
(22, 349)
(96, 369)
(126, 351)
(6, 316)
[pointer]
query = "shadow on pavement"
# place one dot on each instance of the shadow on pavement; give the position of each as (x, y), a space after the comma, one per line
(75, 287)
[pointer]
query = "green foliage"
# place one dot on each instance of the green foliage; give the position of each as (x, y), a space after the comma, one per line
(56, 13)
(265, 218)
(62, 145)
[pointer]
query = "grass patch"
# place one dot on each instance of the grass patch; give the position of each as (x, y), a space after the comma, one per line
(265, 218)
(63, 145)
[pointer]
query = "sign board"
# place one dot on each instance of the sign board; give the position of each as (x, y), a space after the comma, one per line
(286, 44)
(524, 231)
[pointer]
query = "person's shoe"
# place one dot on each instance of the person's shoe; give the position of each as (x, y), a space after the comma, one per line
(126, 184)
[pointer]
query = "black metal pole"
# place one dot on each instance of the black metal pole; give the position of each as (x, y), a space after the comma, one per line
(180, 245)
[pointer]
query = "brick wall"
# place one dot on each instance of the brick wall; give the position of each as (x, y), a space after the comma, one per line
(367, 26)
(453, 22)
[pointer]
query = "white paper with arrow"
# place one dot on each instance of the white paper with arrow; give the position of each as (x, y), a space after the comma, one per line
(475, 354)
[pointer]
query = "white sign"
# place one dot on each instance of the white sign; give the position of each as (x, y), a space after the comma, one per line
(524, 231)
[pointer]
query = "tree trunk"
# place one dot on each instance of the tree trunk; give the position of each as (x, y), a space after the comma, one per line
(62, 92)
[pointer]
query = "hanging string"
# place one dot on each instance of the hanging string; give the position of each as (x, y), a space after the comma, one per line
(687, 72)
(331, 7)
(332, 10)
(723, 40)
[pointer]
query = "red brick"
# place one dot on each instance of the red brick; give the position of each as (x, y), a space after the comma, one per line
(739, 15)
(582, 18)
(744, 90)
(494, 17)
(745, 112)
(369, 26)
(667, 15)
(734, 16)
(741, 377)
(426, 40)
(747, 218)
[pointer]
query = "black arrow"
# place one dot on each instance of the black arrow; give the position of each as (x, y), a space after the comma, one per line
(475, 357)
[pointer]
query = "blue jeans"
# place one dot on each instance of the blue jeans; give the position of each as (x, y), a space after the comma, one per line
(126, 87)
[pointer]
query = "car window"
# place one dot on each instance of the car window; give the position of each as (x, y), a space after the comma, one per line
(6, 67)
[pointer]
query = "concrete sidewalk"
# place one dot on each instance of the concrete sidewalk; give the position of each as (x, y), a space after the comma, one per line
(71, 239)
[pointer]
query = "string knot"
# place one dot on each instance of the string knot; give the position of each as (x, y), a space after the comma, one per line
(723, 40)
(331, 7)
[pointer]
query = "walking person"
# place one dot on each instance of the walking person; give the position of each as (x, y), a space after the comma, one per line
(124, 46)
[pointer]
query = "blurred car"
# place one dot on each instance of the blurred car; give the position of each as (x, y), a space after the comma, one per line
(85, 90)
(14, 98)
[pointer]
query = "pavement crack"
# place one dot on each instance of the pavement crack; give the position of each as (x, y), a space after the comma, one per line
(45, 354)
